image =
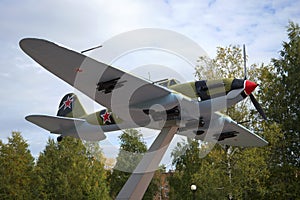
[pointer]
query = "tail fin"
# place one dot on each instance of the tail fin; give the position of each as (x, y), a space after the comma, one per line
(70, 106)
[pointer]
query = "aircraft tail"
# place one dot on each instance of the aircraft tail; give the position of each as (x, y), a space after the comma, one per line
(70, 106)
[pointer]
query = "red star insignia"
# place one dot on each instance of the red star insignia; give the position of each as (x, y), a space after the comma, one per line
(106, 117)
(68, 103)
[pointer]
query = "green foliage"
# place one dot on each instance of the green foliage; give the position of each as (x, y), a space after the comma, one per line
(66, 170)
(287, 100)
(132, 149)
(280, 94)
(131, 152)
(70, 169)
(187, 158)
(227, 64)
(242, 173)
(16, 168)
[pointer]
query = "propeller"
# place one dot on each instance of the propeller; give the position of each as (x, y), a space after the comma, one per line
(252, 98)
(257, 106)
(245, 67)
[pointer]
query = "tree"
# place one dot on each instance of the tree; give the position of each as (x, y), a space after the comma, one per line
(190, 167)
(285, 99)
(280, 94)
(248, 173)
(16, 168)
(97, 176)
(132, 149)
(67, 170)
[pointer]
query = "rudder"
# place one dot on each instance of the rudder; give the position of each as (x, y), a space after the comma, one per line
(70, 106)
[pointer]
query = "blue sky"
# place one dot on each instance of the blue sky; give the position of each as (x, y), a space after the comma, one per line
(27, 88)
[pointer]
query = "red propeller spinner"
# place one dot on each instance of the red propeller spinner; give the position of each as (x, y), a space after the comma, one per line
(249, 86)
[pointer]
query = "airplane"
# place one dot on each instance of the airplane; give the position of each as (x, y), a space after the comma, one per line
(190, 109)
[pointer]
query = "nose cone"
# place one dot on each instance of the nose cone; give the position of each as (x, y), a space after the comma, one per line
(249, 86)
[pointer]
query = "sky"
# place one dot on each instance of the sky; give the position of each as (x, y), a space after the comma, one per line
(26, 88)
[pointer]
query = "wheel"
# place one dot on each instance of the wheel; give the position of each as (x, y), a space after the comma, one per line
(199, 132)
(59, 138)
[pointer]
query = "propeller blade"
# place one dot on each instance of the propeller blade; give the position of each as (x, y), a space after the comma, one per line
(253, 100)
(245, 67)
(257, 106)
(234, 93)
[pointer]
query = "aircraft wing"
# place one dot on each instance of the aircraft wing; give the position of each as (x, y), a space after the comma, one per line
(223, 130)
(105, 84)
(235, 134)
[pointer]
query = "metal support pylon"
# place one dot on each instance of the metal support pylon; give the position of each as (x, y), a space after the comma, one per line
(138, 182)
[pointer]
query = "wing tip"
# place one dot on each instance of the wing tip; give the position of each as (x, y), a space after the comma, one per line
(264, 143)
(29, 45)
(25, 42)
(30, 117)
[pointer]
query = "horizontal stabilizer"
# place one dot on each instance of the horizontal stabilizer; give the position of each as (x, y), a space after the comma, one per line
(54, 124)
(65, 126)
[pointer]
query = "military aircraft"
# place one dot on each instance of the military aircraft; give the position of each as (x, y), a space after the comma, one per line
(189, 109)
